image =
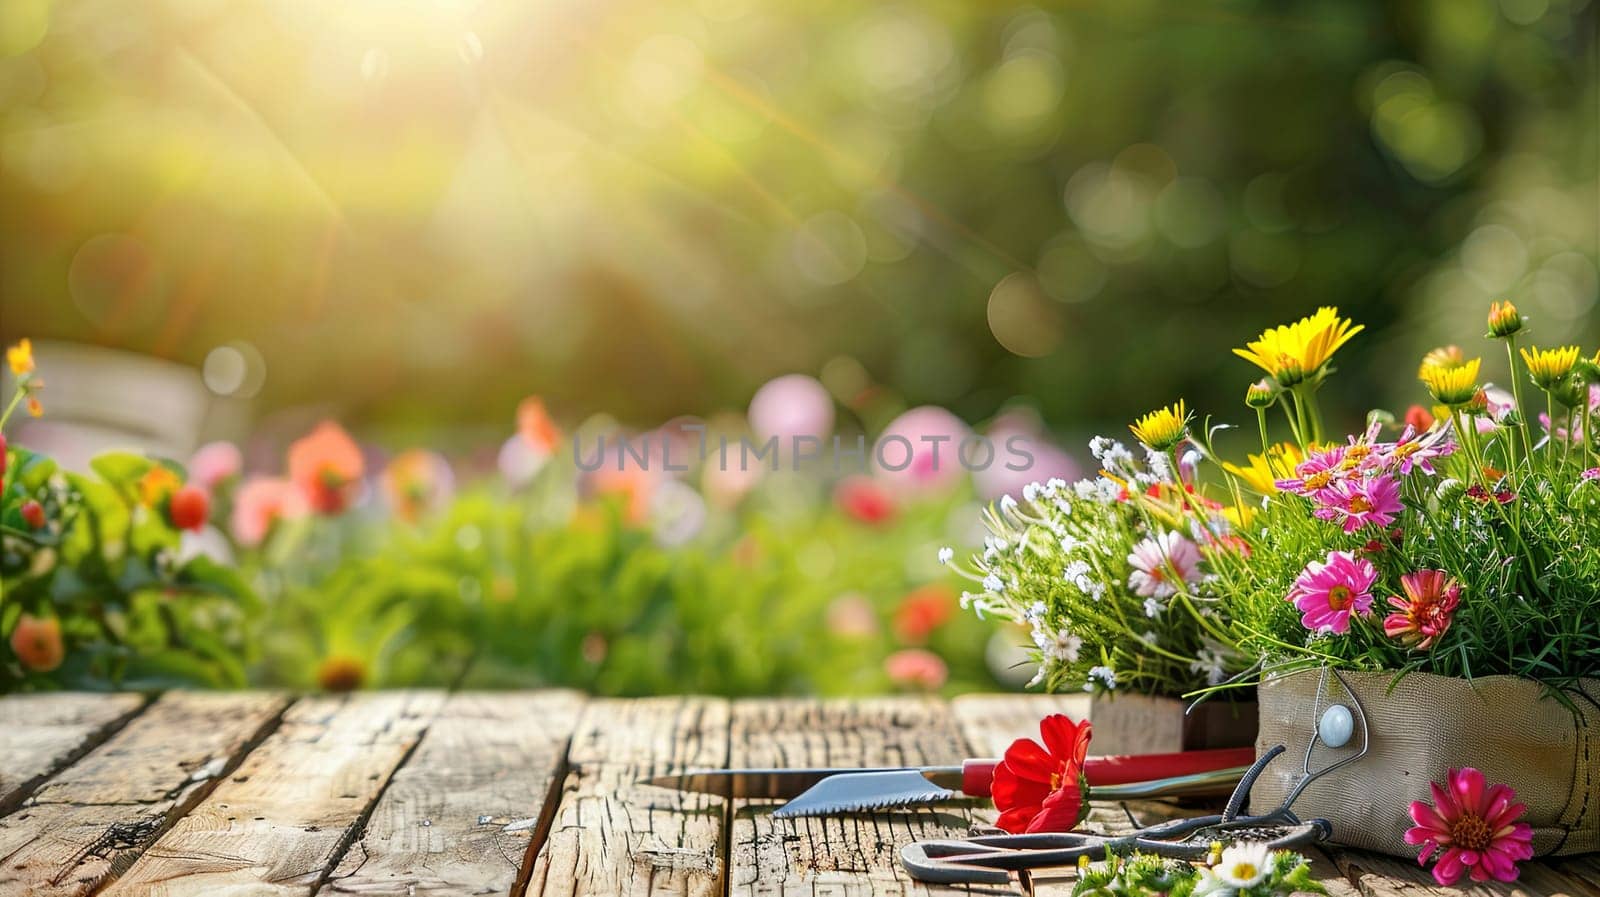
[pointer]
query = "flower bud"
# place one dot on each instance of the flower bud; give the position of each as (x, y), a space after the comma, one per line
(1503, 319)
(32, 514)
(1260, 394)
(188, 508)
(1449, 489)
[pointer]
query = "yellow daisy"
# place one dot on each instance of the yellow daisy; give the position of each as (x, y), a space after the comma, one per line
(1451, 385)
(1293, 353)
(1162, 428)
(1263, 471)
(1548, 367)
(1442, 357)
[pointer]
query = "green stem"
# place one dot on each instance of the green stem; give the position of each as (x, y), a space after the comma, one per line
(1261, 419)
(1516, 395)
(1550, 429)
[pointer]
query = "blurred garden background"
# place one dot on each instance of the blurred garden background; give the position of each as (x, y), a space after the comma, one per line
(445, 237)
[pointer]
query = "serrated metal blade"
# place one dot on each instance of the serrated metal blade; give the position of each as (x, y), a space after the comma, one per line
(865, 792)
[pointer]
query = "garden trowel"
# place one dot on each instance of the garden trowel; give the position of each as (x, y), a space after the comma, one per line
(824, 791)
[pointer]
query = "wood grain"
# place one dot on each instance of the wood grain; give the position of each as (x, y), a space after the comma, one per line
(611, 836)
(92, 819)
(456, 818)
(845, 855)
(1124, 724)
(280, 823)
(41, 733)
(1384, 876)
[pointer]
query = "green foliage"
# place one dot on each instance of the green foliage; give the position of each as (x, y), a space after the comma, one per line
(1144, 875)
(498, 592)
(106, 568)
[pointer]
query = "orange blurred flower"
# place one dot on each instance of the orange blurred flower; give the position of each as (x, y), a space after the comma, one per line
(37, 642)
(415, 481)
(157, 485)
(1419, 418)
(634, 486)
(35, 407)
(341, 673)
(922, 611)
(327, 466)
(20, 357)
(535, 426)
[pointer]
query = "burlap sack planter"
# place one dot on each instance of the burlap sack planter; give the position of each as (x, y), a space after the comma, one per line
(1421, 726)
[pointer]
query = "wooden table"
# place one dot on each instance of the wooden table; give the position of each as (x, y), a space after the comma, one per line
(430, 793)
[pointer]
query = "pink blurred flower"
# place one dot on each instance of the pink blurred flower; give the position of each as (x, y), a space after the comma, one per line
(726, 484)
(922, 444)
(865, 499)
(1328, 592)
(1012, 436)
(789, 406)
(215, 463)
(261, 502)
(851, 616)
(916, 668)
(519, 462)
(1473, 827)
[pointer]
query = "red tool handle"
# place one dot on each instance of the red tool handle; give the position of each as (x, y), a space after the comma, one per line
(976, 775)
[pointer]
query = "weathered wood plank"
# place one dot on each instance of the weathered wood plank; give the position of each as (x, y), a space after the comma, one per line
(280, 823)
(1383, 876)
(93, 818)
(611, 836)
(41, 733)
(845, 855)
(456, 818)
(1124, 724)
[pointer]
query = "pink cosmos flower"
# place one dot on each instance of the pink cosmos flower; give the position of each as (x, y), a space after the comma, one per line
(1473, 828)
(1317, 473)
(1414, 451)
(261, 502)
(1328, 592)
(1162, 564)
(1591, 474)
(1424, 614)
(1356, 503)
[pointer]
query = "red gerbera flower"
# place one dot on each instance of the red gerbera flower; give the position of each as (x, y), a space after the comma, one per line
(1424, 614)
(1042, 788)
